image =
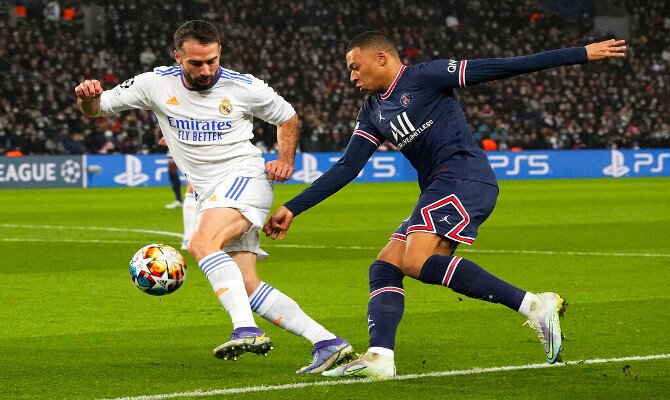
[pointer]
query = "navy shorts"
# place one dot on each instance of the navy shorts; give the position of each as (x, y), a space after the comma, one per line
(452, 208)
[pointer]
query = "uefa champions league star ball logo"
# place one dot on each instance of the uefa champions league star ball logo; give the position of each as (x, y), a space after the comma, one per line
(70, 171)
(406, 99)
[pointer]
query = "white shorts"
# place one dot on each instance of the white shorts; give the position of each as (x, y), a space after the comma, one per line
(252, 197)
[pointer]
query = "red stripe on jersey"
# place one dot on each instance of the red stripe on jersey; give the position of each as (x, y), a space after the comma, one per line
(461, 73)
(367, 136)
(387, 289)
(390, 90)
(398, 236)
(450, 270)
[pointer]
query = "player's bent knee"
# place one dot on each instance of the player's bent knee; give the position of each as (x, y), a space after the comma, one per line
(392, 253)
(411, 265)
(197, 247)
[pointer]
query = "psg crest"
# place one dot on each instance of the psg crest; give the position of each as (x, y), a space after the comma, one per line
(406, 99)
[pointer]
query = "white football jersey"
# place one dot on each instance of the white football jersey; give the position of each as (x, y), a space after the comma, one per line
(208, 132)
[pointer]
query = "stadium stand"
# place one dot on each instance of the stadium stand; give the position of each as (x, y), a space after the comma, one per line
(298, 48)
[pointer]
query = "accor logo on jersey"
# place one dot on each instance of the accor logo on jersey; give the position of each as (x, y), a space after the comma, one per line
(196, 130)
(405, 132)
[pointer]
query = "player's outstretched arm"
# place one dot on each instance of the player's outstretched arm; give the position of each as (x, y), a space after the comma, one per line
(463, 73)
(338, 176)
(278, 224)
(288, 135)
(608, 49)
(88, 97)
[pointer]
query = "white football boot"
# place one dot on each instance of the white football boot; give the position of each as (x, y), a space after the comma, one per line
(173, 205)
(369, 365)
(545, 321)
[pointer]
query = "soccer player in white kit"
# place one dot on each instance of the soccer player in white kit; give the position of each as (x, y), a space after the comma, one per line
(206, 114)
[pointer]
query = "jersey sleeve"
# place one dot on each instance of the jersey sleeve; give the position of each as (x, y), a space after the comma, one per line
(267, 105)
(356, 155)
(366, 129)
(446, 74)
(133, 93)
(361, 147)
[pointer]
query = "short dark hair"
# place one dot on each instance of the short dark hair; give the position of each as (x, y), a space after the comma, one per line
(200, 31)
(374, 39)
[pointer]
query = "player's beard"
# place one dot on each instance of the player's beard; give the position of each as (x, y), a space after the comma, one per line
(197, 84)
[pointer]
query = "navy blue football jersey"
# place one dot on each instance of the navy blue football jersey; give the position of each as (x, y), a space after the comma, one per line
(420, 114)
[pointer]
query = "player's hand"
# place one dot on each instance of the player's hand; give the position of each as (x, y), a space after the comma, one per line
(278, 223)
(162, 142)
(602, 50)
(88, 89)
(278, 171)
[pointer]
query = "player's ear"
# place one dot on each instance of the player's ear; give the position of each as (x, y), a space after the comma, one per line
(177, 56)
(381, 58)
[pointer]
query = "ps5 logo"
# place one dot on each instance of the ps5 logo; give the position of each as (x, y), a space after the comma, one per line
(383, 167)
(653, 162)
(133, 175)
(647, 159)
(512, 165)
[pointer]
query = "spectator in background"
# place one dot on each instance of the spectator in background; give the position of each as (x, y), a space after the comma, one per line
(52, 12)
(310, 74)
(147, 58)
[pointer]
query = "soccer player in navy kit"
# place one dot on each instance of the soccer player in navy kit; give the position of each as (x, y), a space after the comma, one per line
(414, 107)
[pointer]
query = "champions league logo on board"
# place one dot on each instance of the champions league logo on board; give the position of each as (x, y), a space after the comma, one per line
(406, 99)
(70, 171)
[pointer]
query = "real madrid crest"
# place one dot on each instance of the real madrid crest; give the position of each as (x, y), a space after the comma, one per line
(225, 107)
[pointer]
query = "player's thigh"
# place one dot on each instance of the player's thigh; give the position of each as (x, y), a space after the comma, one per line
(420, 246)
(217, 227)
(393, 252)
(447, 213)
(252, 198)
(246, 260)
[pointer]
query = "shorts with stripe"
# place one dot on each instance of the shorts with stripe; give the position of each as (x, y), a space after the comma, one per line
(452, 208)
(252, 197)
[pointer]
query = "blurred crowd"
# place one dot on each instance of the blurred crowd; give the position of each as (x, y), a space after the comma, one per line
(298, 47)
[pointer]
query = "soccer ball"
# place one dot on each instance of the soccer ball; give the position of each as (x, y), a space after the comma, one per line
(157, 269)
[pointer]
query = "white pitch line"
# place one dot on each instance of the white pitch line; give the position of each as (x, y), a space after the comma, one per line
(67, 240)
(93, 228)
(465, 250)
(300, 246)
(473, 371)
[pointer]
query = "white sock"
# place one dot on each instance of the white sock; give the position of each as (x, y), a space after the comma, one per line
(526, 308)
(382, 351)
(188, 213)
(226, 279)
(281, 310)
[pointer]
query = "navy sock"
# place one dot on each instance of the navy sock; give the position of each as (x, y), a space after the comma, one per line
(469, 279)
(387, 303)
(176, 186)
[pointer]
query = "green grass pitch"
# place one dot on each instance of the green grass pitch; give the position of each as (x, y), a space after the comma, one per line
(73, 326)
